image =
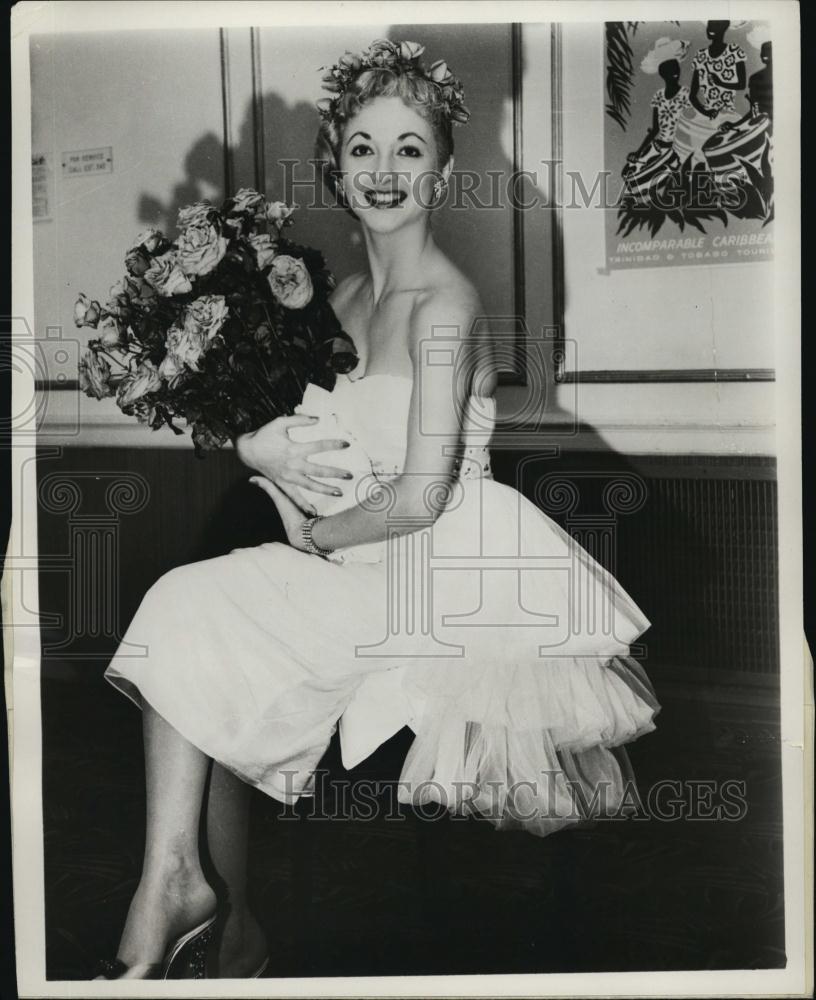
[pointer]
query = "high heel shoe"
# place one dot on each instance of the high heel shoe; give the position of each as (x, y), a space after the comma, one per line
(192, 943)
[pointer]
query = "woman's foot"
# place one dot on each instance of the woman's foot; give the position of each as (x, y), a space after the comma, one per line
(162, 909)
(239, 949)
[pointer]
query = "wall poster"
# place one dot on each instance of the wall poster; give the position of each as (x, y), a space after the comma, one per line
(688, 140)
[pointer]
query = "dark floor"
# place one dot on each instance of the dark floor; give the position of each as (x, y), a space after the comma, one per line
(413, 896)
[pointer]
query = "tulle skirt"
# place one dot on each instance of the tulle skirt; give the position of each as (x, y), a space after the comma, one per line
(493, 634)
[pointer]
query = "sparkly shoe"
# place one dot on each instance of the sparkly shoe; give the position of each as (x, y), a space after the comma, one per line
(192, 945)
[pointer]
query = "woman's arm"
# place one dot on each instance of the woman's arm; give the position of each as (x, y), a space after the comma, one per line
(650, 134)
(419, 493)
(695, 99)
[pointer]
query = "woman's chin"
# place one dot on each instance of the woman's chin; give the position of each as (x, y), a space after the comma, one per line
(387, 220)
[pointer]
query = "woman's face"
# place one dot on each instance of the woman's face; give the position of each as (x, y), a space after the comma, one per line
(716, 29)
(669, 70)
(389, 163)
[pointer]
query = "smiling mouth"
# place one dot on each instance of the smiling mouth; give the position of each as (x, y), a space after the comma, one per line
(384, 199)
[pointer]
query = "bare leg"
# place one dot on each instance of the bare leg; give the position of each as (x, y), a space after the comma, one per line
(172, 895)
(241, 944)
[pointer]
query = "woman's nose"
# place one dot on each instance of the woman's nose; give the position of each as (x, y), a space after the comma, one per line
(386, 174)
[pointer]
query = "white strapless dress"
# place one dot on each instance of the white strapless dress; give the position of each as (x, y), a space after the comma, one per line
(492, 634)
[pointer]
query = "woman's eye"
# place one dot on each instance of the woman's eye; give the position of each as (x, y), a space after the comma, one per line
(360, 150)
(411, 151)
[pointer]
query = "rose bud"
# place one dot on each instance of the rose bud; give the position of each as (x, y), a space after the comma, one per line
(86, 312)
(278, 213)
(150, 240)
(411, 50)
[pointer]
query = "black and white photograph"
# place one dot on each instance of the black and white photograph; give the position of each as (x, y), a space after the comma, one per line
(404, 587)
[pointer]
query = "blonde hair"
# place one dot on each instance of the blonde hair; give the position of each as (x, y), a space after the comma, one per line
(409, 83)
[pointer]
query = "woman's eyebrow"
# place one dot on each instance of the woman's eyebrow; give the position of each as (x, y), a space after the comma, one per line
(406, 134)
(365, 135)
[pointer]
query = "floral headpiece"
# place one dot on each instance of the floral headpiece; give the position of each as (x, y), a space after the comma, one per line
(386, 54)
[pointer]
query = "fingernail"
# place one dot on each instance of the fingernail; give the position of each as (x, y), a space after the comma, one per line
(347, 475)
(337, 493)
(347, 444)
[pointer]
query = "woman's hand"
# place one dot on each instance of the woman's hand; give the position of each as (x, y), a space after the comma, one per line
(290, 513)
(286, 463)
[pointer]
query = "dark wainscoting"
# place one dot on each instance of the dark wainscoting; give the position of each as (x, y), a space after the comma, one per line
(692, 539)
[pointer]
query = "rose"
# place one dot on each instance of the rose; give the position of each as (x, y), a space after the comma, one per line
(185, 348)
(200, 248)
(86, 312)
(125, 292)
(194, 214)
(187, 344)
(133, 387)
(278, 213)
(332, 81)
(112, 333)
(172, 368)
(248, 200)
(206, 315)
(166, 277)
(290, 282)
(349, 62)
(137, 261)
(150, 240)
(120, 296)
(410, 50)
(147, 243)
(381, 53)
(94, 375)
(265, 249)
(440, 73)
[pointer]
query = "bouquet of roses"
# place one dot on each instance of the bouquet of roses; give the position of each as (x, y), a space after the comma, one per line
(222, 328)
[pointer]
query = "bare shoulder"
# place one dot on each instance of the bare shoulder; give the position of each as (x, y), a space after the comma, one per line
(454, 310)
(450, 301)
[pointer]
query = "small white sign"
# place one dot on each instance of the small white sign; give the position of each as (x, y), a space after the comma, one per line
(83, 162)
(40, 187)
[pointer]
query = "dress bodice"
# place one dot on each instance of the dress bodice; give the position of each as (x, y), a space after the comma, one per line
(372, 412)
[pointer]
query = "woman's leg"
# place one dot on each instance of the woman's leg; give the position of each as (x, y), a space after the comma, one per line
(241, 944)
(172, 895)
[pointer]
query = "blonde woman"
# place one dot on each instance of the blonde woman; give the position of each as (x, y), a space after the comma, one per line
(253, 658)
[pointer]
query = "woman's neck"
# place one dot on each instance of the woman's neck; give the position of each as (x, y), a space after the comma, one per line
(398, 260)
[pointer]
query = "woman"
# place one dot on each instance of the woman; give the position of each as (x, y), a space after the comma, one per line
(252, 658)
(745, 140)
(654, 161)
(718, 74)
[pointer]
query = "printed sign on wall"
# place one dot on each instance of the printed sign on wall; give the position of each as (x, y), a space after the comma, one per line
(83, 162)
(40, 187)
(688, 139)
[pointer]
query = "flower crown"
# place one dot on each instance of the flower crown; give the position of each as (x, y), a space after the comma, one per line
(383, 53)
